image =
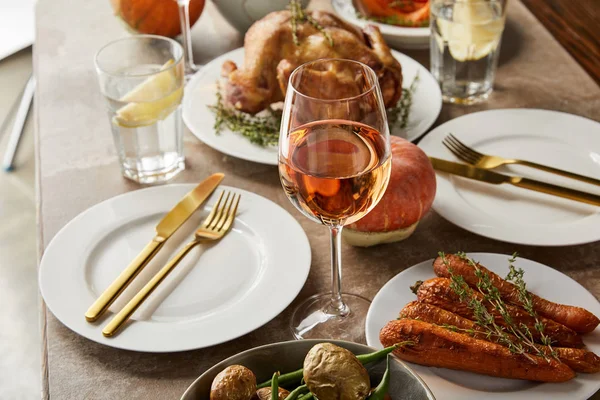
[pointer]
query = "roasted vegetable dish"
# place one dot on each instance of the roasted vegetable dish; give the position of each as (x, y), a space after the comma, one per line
(329, 372)
(471, 319)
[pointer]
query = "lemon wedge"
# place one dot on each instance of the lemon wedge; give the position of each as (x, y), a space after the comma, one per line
(152, 100)
(474, 31)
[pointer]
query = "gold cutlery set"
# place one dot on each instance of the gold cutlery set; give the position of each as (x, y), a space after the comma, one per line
(214, 227)
(479, 166)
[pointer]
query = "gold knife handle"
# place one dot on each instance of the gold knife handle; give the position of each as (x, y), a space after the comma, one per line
(113, 326)
(123, 280)
(557, 171)
(555, 190)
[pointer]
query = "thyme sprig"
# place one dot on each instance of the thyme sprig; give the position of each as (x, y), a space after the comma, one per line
(261, 130)
(393, 20)
(299, 16)
(400, 113)
(516, 277)
(522, 336)
(483, 317)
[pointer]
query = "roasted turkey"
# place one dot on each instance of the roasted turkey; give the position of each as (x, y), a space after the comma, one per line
(271, 55)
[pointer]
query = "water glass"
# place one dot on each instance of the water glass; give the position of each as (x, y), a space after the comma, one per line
(465, 43)
(142, 79)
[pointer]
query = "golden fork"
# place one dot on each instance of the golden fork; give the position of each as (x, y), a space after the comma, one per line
(213, 228)
(485, 161)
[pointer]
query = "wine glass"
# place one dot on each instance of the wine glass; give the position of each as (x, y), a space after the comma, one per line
(184, 20)
(334, 165)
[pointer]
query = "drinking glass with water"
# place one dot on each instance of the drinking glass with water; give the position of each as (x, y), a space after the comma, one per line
(142, 79)
(465, 43)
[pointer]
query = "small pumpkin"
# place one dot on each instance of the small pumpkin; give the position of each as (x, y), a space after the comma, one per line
(407, 199)
(156, 17)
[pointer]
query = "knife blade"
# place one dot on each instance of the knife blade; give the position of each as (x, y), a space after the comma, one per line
(496, 178)
(165, 228)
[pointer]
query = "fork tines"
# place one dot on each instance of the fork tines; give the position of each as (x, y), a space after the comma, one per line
(223, 212)
(461, 150)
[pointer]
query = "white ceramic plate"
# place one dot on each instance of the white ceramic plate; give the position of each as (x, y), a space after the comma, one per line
(200, 92)
(459, 385)
(219, 292)
(509, 213)
(396, 36)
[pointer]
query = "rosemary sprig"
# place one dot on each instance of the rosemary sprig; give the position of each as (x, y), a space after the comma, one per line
(393, 20)
(400, 113)
(516, 277)
(261, 130)
(299, 16)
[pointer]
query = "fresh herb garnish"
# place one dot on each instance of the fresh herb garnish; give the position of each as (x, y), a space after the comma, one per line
(263, 129)
(394, 20)
(399, 114)
(299, 16)
(517, 337)
(516, 277)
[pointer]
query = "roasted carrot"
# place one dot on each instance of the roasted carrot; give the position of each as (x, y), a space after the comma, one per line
(439, 347)
(578, 319)
(438, 291)
(579, 360)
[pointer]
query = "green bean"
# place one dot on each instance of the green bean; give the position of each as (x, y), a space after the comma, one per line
(307, 396)
(378, 355)
(296, 376)
(382, 389)
(290, 377)
(275, 386)
(297, 392)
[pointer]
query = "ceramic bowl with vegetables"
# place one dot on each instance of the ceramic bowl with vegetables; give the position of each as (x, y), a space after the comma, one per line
(410, 31)
(310, 369)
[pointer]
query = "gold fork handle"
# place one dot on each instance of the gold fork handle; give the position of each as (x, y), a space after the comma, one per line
(113, 326)
(557, 171)
(123, 280)
(555, 190)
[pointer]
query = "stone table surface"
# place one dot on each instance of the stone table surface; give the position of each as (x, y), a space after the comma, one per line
(77, 168)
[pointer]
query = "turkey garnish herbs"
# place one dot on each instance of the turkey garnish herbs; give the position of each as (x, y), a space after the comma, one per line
(263, 129)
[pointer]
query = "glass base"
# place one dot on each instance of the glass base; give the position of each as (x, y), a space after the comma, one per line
(316, 319)
(468, 99)
(154, 176)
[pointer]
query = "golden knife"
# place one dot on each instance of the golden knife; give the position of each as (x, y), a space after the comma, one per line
(495, 178)
(165, 228)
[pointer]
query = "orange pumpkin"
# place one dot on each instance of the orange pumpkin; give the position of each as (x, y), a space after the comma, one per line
(407, 199)
(156, 17)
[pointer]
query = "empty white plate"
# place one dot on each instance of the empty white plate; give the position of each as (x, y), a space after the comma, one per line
(219, 292)
(509, 213)
(449, 384)
(201, 92)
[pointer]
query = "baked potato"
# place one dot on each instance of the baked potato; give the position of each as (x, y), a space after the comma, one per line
(235, 382)
(334, 373)
(265, 394)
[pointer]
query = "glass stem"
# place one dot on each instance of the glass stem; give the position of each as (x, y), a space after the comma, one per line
(184, 20)
(337, 303)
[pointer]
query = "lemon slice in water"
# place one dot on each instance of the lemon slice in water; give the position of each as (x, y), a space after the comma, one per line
(474, 31)
(152, 100)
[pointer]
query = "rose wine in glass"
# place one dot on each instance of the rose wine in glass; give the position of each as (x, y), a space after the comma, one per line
(334, 165)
